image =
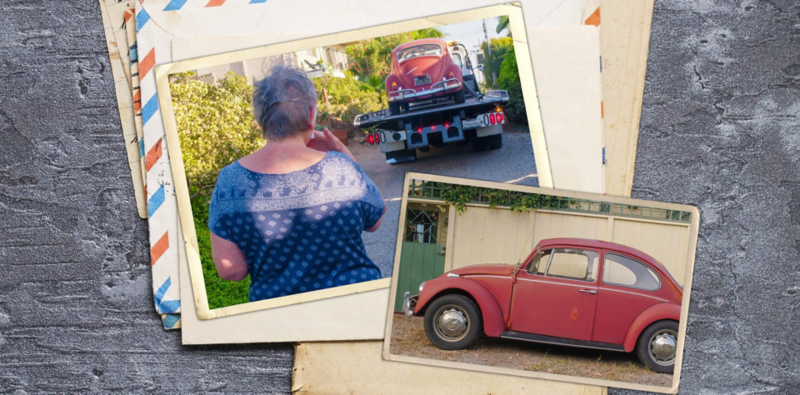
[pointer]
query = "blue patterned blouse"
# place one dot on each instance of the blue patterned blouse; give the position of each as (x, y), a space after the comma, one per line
(299, 231)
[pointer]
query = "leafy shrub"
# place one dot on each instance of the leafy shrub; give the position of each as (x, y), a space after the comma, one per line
(215, 127)
(509, 81)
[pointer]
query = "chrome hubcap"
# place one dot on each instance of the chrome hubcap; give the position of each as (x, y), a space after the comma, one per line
(662, 347)
(451, 323)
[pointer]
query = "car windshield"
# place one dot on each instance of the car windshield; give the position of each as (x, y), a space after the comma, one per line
(419, 50)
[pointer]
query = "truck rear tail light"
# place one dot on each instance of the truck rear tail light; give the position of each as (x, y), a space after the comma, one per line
(370, 139)
(500, 117)
(419, 130)
(491, 118)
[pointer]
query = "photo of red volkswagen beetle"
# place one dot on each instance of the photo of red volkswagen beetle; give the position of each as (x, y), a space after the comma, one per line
(422, 70)
(568, 291)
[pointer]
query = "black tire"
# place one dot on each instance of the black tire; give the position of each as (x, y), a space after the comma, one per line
(394, 108)
(458, 307)
(406, 155)
(668, 331)
(494, 141)
(459, 96)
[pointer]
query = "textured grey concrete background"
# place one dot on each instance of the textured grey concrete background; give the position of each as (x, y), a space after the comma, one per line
(719, 129)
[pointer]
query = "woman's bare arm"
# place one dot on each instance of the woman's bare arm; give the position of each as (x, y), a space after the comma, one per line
(377, 224)
(228, 259)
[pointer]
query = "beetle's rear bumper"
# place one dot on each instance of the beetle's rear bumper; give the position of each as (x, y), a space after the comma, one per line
(409, 304)
(441, 87)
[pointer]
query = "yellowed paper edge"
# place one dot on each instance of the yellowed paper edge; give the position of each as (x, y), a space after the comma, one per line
(624, 39)
(125, 106)
(693, 234)
(356, 368)
(162, 73)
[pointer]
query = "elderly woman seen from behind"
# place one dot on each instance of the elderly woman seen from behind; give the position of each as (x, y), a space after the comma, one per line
(291, 214)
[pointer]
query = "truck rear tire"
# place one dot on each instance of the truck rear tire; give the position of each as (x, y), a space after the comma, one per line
(494, 141)
(459, 96)
(406, 155)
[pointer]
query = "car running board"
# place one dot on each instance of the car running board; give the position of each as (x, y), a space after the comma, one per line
(528, 337)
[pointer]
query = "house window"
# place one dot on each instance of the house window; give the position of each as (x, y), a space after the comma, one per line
(424, 224)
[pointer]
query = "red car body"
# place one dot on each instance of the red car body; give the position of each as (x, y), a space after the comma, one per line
(414, 61)
(514, 302)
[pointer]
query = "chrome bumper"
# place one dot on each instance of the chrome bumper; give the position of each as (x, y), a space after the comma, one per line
(409, 302)
(438, 87)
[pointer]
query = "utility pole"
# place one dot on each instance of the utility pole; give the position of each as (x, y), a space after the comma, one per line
(489, 50)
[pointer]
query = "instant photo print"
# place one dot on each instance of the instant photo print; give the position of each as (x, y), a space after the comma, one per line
(449, 119)
(542, 283)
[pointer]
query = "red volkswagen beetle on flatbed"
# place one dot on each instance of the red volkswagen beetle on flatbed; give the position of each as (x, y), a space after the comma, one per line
(575, 292)
(422, 70)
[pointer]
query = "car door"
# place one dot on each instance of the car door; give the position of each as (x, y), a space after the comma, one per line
(557, 294)
(627, 288)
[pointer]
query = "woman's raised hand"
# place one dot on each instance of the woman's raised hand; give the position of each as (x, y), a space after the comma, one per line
(325, 141)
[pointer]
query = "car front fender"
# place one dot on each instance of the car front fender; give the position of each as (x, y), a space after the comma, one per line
(493, 324)
(657, 312)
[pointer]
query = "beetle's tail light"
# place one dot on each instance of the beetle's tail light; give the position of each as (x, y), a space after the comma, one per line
(451, 75)
(394, 86)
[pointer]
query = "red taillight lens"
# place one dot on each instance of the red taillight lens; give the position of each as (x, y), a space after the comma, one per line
(419, 130)
(370, 139)
(451, 75)
(394, 86)
(491, 118)
(500, 117)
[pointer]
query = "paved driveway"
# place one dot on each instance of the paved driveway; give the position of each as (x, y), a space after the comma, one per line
(513, 163)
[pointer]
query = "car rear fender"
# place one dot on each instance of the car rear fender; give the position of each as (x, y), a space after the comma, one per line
(658, 312)
(493, 324)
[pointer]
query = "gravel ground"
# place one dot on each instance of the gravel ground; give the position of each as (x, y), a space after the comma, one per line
(408, 338)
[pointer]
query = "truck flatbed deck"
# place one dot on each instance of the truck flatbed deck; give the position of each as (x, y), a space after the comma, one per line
(492, 98)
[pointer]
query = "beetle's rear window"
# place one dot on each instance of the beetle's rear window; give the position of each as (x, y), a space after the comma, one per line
(419, 50)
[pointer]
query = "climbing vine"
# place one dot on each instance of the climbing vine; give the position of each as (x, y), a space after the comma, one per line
(459, 195)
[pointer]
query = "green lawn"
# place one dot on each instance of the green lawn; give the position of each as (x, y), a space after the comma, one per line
(221, 293)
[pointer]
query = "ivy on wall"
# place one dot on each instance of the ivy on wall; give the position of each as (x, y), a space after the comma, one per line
(459, 195)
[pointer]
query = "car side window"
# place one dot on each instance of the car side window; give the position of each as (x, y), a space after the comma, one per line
(626, 272)
(539, 262)
(573, 263)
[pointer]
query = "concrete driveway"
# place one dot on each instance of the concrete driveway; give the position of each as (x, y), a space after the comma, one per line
(513, 163)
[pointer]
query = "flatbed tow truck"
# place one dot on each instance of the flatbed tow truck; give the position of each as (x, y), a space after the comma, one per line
(440, 120)
(478, 120)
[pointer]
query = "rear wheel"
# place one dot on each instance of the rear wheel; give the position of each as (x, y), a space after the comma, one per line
(494, 141)
(452, 322)
(459, 96)
(658, 345)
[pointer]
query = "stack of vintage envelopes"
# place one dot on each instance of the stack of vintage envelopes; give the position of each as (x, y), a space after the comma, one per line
(499, 136)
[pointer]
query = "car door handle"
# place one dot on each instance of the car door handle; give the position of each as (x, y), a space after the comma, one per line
(589, 291)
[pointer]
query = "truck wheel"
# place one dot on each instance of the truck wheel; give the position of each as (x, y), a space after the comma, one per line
(494, 141)
(658, 345)
(406, 155)
(459, 96)
(394, 108)
(452, 322)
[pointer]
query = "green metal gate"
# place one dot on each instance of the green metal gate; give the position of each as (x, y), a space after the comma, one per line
(423, 248)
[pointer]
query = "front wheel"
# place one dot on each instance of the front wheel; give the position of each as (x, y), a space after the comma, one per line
(452, 322)
(658, 346)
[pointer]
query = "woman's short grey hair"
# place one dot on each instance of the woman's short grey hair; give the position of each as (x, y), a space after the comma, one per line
(283, 101)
